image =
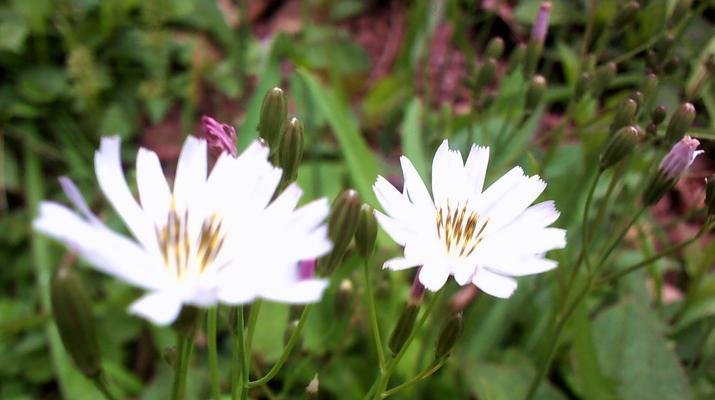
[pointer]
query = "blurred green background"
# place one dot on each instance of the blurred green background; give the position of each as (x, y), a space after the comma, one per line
(370, 80)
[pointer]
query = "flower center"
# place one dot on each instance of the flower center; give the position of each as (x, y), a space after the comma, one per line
(182, 255)
(460, 229)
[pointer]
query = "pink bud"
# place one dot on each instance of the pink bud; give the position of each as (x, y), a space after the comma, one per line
(418, 289)
(541, 24)
(680, 157)
(220, 136)
(306, 269)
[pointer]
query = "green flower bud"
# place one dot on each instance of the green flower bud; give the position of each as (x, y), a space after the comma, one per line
(679, 123)
(342, 224)
(516, 57)
(290, 151)
(531, 58)
(72, 311)
(650, 86)
(671, 168)
(535, 92)
(495, 48)
(187, 321)
(274, 113)
(602, 78)
(404, 327)
(658, 114)
(638, 98)
(651, 130)
(624, 115)
(581, 86)
(366, 231)
(626, 13)
(620, 145)
(710, 195)
(344, 297)
(451, 332)
(484, 74)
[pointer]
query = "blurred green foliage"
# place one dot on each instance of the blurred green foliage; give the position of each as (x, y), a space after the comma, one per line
(75, 70)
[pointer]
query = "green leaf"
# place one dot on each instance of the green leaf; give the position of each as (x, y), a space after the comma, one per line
(42, 84)
(361, 163)
(491, 381)
(631, 349)
(13, 32)
(412, 144)
(562, 12)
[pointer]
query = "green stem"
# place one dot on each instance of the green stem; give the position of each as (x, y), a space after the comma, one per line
(424, 374)
(252, 320)
(243, 354)
(384, 377)
(183, 354)
(102, 386)
(373, 316)
(286, 351)
(237, 354)
(213, 352)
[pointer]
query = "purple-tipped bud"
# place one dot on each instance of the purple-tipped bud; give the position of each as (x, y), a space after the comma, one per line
(680, 157)
(219, 136)
(541, 24)
(306, 269)
(417, 291)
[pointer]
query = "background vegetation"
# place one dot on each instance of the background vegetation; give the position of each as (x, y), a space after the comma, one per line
(370, 80)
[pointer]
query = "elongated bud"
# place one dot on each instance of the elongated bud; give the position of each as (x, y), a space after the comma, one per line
(404, 327)
(535, 92)
(290, 151)
(219, 136)
(516, 58)
(620, 145)
(72, 312)
(448, 337)
(680, 11)
(187, 321)
(417, 291)
(674, 164)
(341, 228)
(313, 387)
(366, 231)
(637, 96)
(274, 113)
(581, 86)
(624, 115)
(649, 88)
(602, 78)
(484, 75)
(344, 297)
(680, 122)
(658, 114)
(710, 195)
(626, 13)
(541, 24)
(495, 48)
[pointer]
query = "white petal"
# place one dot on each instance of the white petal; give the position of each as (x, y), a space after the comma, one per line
(494, 284)
(309, 216)
(476, 168)
(74, 196)
(107, 251)
(433, 276)
(463, 272)
(108, 167)
(525, 265)
(399, 233)
(161, 308)
(537, 216)
(495, 192)
(441, 173)
(414, 186)
(514, 202)
(286, 202)
(190, 172)
(154, 192)
(400, 263)
(392, 201)
(301, 292)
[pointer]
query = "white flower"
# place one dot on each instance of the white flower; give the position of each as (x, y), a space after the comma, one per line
(212, 239)
(480, 237)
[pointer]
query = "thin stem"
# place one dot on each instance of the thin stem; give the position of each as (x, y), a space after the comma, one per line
(384, 377)
(242, 354)
(236, 355)
(373, 316)
(286, 351)
(102, 386)
(213, 352)
(252, 320)
(424, 374)
(183, 350)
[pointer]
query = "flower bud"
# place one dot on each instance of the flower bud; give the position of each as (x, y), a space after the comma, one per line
(658, 114)
(495, 48)
(311, 390)
(535, 92)
(306, 269)
(417, 291)
(290, 151)
(451, 332)
(344, 297)
(674, 164)
(169, 356)
(651, 130)
(620, 145)
(72, 312)
(602, 78)
(710, 195)
(187, 321)
(581, 86)
(342, 223)
(366, 231)
(516, 57)
(637, 96)
(626, 14)
(649, 88)
(404, 327)
(679, 123)
(274, 113)
(541, 24)
(624, 115)
(219, 136)
(484, 74)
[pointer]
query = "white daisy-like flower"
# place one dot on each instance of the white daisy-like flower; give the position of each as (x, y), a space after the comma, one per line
(215, 237)
(485, 238)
